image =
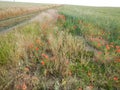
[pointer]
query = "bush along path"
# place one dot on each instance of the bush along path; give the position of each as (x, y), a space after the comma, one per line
(49, 54)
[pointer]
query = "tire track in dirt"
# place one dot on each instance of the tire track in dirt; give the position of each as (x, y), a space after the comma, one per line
(34, 17)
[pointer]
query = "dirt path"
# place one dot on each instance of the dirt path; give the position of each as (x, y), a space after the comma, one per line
(50, 15)
(44, 16)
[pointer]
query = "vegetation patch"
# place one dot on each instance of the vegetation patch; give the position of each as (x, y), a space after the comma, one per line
(53, 55)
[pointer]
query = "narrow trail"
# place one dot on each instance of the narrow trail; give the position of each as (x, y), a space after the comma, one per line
(12, 23)
(49, 15)
(8, 23)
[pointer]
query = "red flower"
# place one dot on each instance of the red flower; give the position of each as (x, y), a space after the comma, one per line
(43, 63)
(45, 56)
(115, 78)
(61, 17)
(117, 60)
(37, 49)
(99, 45)
(107, 47)
(118, 50)
(99, 53)
(24, 87)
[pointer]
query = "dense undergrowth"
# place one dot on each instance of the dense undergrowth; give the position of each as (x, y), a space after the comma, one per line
(40, 58)
(53, 56)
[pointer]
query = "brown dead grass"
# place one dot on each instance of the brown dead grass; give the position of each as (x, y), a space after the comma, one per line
(17, 11)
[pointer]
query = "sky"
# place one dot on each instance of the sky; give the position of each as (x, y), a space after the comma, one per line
(111, 3)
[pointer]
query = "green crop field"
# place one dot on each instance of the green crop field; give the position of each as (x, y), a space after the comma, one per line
(67, 48)
(99, 26)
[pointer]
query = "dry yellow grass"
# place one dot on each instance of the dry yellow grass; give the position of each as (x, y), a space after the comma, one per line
(17, 11)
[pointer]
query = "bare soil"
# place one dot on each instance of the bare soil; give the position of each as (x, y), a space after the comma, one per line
(50, 15)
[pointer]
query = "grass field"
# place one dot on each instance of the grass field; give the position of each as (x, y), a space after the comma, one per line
(76, 48)
(99, 26)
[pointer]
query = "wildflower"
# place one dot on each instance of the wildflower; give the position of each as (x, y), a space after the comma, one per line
(117, 60)
(45, 56)
(118, 50)
(24, 87)
(43, 63)
(61, 17)
(37, 49)
(107, 47)
(99, 45)
(99, 53)
(115, 78)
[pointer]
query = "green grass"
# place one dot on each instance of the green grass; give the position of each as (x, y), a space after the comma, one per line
(99, 26)
(54, 56)
(106, 19)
